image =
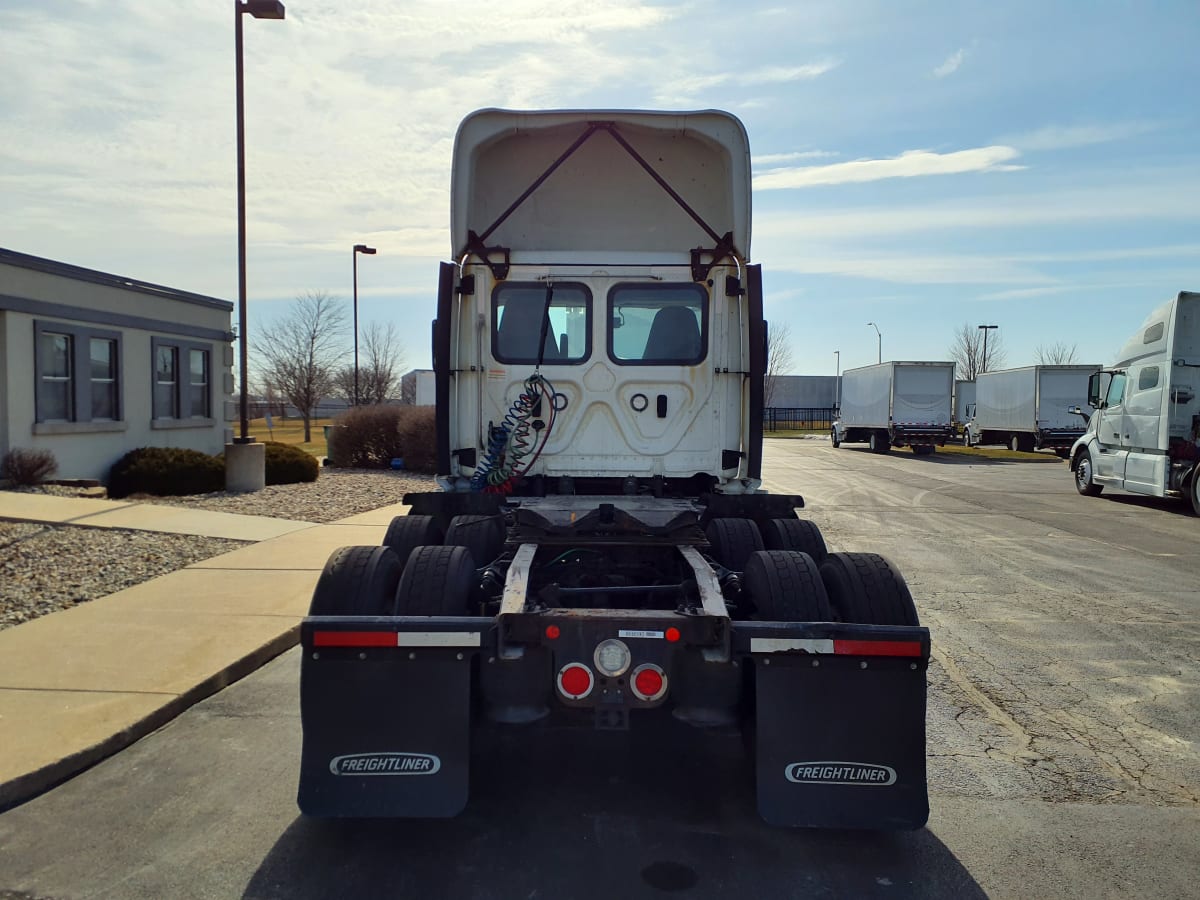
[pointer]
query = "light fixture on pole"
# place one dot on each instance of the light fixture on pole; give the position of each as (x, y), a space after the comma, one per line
(983, 360)
(370, 251)
(837, 379)
(260, 9)
(880, 337)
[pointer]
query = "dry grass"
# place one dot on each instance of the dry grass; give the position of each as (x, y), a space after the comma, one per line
(291, 431)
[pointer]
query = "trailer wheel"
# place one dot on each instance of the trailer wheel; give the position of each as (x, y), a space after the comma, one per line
(436, 582)
(482, 535)
(406, 532)
(794, 534)
(866, 589)
(1194, 491)
(879, 442)
(1083, 476)
(833, 438)
(733, 540)
(786, 586)
(357, 581)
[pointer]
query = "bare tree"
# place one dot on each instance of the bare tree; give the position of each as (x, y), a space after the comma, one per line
(381, 362)
(779, 359)
(967, 351)
(1057, 354)
(343, 384)
(298, 353)
(408, 390)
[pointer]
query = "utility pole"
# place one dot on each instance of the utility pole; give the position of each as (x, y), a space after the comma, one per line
(983, 362)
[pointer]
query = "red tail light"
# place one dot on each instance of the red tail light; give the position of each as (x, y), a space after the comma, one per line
(649, 682)
(575, 681)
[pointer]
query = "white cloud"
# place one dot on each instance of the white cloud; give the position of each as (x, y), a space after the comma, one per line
(771, 159)
(683, 88)
(1063, 137)
(909, 164)
(950, 66)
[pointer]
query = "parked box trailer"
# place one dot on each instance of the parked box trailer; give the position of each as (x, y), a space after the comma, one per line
(601, 553)
(1144, 436)
(897, 404)
(1029, 408)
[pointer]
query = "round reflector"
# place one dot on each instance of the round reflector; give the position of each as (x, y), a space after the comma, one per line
(612, 657)
(649, 682)
(575, 680)
(672, 634)
(552, 632)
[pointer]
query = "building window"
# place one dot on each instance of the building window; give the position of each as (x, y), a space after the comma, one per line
(198, 384)
(104, 378)
(182, 379)
(56, 395)
(166, 382)
(78, 373)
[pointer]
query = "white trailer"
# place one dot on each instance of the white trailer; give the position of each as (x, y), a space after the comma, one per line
(1144, 436)
(897, 404)
(1029, 408)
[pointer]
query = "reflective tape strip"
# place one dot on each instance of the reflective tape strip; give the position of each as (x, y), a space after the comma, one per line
(779, 645)
(838, 647)
(438, 639)
(354, 639)
(877, 648)
(396, 639)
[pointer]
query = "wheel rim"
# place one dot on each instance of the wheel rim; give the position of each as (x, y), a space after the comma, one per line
(1083, 472)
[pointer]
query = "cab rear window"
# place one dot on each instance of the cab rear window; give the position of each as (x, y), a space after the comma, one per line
(519, 314)
(658, 324)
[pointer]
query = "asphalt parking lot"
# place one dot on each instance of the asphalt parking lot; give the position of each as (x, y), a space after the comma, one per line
(1063, 740)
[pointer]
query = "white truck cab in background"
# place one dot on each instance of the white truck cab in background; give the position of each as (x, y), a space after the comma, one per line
(1145, 431)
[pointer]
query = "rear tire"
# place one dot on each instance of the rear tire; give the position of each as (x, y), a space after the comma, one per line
(732, 541)
(406, 532)
(357, 581)
(879, 442)
(1194, 491)
(800, 535)
(436, 582)
(483, 536)
(866, 589)
(1084, 476)
(786, 586)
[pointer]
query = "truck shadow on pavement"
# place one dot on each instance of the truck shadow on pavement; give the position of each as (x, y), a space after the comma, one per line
(596, 814)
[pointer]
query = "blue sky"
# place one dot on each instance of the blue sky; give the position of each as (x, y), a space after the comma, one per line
(917, 164)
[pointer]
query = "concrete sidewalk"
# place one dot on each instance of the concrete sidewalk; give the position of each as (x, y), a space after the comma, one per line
(81, 684)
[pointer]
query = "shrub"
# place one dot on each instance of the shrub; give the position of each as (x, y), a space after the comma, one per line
(370, 437)
(288, 464)
(28, 467)
(418, 437)
(166, 472)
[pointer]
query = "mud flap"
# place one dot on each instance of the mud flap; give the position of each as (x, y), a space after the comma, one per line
(840, 741)
(385, 735)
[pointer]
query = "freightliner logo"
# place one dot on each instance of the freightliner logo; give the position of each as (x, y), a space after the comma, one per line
(840, 773)
(385, 764)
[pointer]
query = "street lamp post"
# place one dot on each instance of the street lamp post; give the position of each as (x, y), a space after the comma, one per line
(370, 251)
(260, 9)
(880, 337)
(984, 359)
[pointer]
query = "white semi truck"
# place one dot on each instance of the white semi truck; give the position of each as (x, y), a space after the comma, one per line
(1029, 408)
(601, 551)
(897, 404)
(1144, 435)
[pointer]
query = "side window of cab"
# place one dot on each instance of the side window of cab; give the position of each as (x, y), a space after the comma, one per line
(1116, 391)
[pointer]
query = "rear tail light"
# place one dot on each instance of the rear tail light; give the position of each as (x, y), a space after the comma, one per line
(649, 682)
(575, 681)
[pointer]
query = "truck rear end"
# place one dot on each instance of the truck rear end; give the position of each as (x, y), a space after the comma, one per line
(897, 404)
(601, 551)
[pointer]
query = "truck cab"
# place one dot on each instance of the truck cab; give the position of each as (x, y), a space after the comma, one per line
(600, 550)
(1144, 433)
